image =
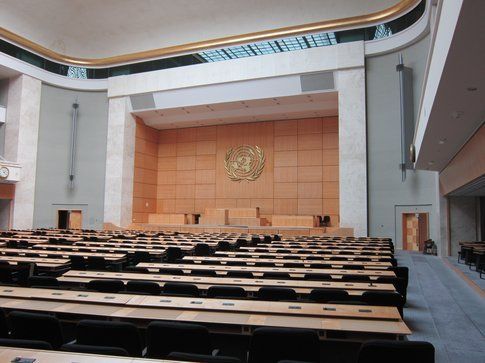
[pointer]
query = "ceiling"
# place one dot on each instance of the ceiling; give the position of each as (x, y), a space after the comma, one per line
(459, 105)
(266, 109)
(96, 29)
(7, 72)
(475, 188)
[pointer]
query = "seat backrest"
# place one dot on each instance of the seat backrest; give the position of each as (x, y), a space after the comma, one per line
(173, 253)
(25, 343)
(396, 352)
(223, 246)
(96, 263)
(4, 330)
(276, 275)
(226, 292)
(384, 298)
(202, 249)
(77, 262)
(355, 278)
(94, 349)
(240, 274)
(179, 288)
(143, 287)
(191, 357)
(171, 271)
(43, 281)
(34, 326)
(208, 273)
(110, 334)
(166, 337)
(271, 345)
(276, 294)
(318, 277)
(106, 285)
(326, 295)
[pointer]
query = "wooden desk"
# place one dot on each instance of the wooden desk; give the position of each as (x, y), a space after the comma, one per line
(258, 271)
(114, 257)
(301, 287)
(301, 256)
(218, 313)
(7, 354)
(319, 250)
(251, 261)
(95, 249)
(51, 264)
(337, 246)
(144, 246)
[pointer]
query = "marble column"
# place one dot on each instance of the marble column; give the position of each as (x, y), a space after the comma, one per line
(352, 149)
(21, 136)
(120, 160)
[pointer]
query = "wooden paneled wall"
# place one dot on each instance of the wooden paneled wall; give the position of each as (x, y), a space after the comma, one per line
(300, 176)
(145, 176)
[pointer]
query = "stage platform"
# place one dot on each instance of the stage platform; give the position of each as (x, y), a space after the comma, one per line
(288, 230)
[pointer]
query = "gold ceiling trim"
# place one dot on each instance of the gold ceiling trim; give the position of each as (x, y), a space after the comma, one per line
(362, 20)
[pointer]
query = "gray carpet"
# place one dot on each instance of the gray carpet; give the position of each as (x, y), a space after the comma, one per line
(444, 310)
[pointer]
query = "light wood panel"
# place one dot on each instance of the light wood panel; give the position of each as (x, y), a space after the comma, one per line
(145, 176)
(300, 175)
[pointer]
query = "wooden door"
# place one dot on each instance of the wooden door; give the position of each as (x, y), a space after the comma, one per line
(75, 219)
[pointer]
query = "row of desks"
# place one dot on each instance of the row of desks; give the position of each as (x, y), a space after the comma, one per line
(219, 313)
(259, 271)
(301, 287)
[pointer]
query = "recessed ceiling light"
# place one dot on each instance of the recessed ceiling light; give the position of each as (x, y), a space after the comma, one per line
(442, 141)
(472, 89)
(431, 162)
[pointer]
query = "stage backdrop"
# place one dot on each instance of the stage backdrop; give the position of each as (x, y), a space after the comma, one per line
(182, 170)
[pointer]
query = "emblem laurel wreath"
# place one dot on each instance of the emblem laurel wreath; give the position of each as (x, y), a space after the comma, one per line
(257, 156)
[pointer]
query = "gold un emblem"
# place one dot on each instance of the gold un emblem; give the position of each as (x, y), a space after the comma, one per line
(244, 162)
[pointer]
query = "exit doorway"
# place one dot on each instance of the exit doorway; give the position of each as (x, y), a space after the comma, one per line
(5, 211)
(69, 219)
(415, 229)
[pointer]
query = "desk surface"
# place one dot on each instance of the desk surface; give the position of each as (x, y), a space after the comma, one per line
(302, 256)
(367, 264)
(7, 354)
(109, 249)
(107, 256)
(297, 272)
(250, 285)
(370, 319)
(318, 250)
(131, 245)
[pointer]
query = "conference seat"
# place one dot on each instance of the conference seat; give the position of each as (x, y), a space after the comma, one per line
(78, 262)
(402, 272)
(354, 267)
(322, 295)
(143, 287)
(383, 298)
(236, 263)
(321, 265)
(25, 343)
(164, 338)
(173, 254)
(109, 286)
(180, 289)
(210, 262)
(206, 273)
(94, 349)
(201, 358)
(223, 246)
(264, 264)
(202, 249)
(171, 271)
(110, 334)
(43, 281)
(240, 274)
(398, 282)
(318, 277)
(293, 265)
(276, 275)
(4, 328)
(381, 351)
(35, 326)
(226, 292)
(356, 278)
(96, 263)
(276, 294)
(271, 345)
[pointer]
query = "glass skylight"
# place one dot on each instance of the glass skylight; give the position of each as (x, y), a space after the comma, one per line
(270, 47)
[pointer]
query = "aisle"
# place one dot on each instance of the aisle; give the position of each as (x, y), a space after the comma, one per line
(443, 309)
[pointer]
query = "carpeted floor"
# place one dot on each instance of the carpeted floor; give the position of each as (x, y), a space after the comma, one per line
(444, 309)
